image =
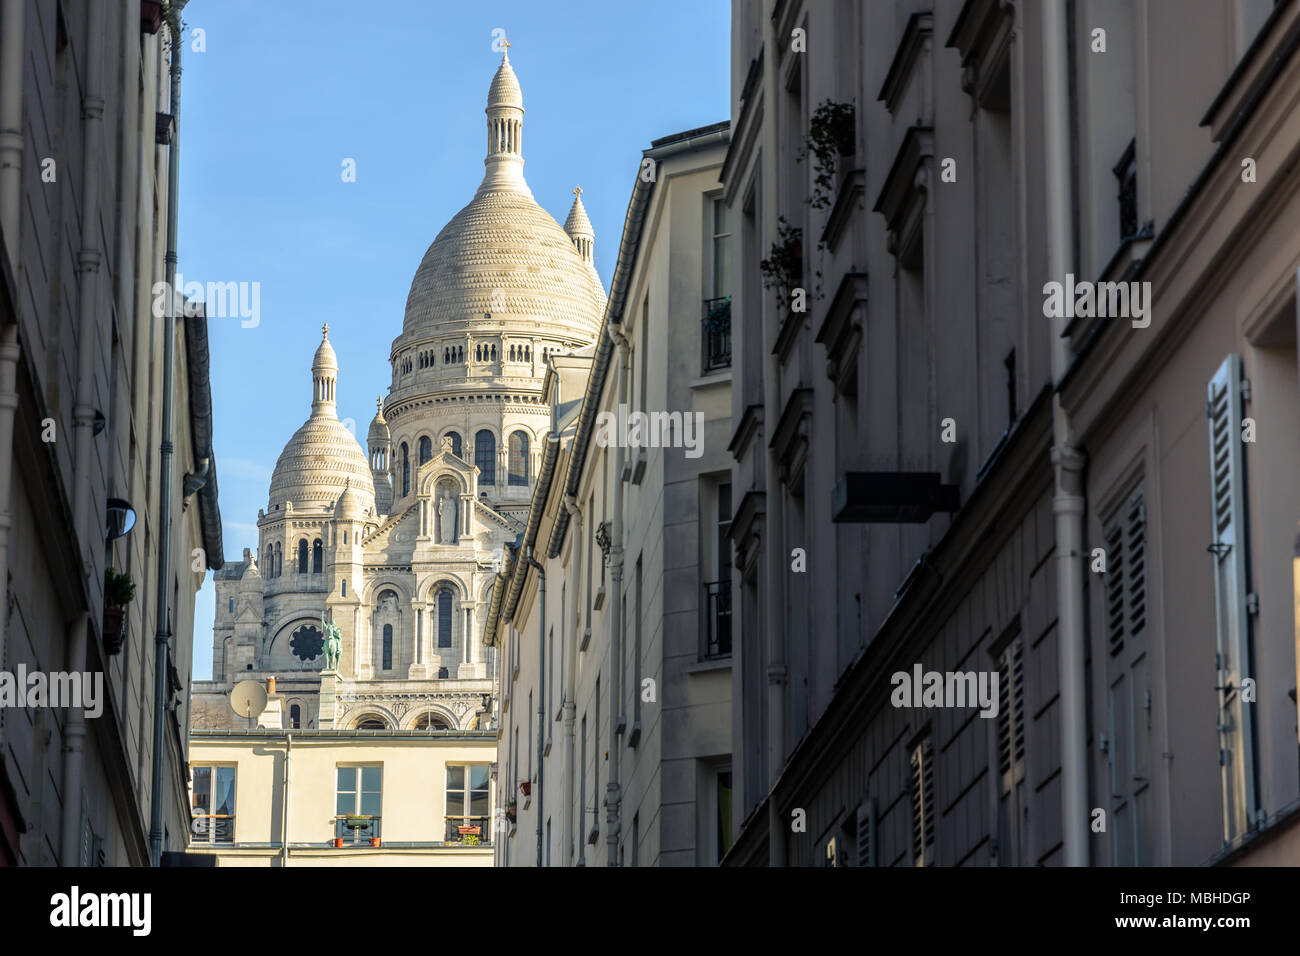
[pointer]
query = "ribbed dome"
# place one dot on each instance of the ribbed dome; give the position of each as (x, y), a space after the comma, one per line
(505, 90)
(502, 241)
(349, 505)
(378, 425)
(318, 463)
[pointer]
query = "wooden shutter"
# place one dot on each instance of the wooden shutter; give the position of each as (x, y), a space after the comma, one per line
(1232, 620)
(1011, 707)
(1126, 583)
(866, 842)
(922, 802)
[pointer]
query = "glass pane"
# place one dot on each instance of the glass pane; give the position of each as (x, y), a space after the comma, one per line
(719, 217)
(370, 777)
(478, 803)
(478, 776)
(224, 798)
(202, 787)
(347, 779)
(346, 803)
(455, 777)
(721, 267)
(370, 803)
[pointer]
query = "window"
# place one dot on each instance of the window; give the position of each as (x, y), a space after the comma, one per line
(485, 457)
(444, 618)
(431, 722)
(923, 805)
(317, 555)
(582, 790)
(406, 470)
(717, 593)
(720, 279)
(717, 807)
(519, 459)
(295, 716)
(443, 673)
(455, 444)
(268, 569)
(1231, 548)
(1126, 172)
(302, 556)
(426, 448)
(388, 647)
(468, 813)
(279, 560)
(212, 811)
(359, 797)
(232, 605)
(1012, 835)
(344, 586)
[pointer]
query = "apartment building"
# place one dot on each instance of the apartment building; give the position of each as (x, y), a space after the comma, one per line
(611, 616)
(95, 776)
(944, 463)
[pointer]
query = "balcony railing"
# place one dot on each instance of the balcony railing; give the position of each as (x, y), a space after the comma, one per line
(717, 333)
(469, 831)
(345, 828)
(212, 828)
(717, 619)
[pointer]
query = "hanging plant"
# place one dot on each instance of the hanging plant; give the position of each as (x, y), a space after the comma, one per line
(831, 134)
(783, 268)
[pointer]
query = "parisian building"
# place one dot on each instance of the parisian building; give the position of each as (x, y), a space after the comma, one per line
(940, 469)
(611, 616)
(88, 136)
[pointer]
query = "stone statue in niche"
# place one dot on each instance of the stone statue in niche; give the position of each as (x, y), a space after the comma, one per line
(446, 519)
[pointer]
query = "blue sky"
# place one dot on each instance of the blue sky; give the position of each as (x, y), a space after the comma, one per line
(283, 93)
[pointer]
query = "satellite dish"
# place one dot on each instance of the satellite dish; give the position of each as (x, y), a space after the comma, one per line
(248, 699)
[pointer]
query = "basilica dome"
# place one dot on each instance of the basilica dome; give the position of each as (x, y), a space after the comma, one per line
(503, 256)
(322, 460)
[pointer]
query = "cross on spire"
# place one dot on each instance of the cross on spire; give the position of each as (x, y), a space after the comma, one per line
(577, 190)
(325, 330)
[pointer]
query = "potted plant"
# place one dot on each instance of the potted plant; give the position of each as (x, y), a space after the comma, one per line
(119, 590)
(831, 133)
(355, 821)
(338, 842)
(511, 811)
(783, 268)
(374, 841)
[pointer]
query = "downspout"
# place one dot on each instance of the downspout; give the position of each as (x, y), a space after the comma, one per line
(774, 607)
(284, 815)
(570, 674)
(163, 637)
(11, 130)
(541, 692)
(1068, 500)
(88, 262)
(613, 793)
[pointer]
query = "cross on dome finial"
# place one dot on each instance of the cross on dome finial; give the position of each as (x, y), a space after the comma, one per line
(577, 190)
(379, 404)
(325, 330)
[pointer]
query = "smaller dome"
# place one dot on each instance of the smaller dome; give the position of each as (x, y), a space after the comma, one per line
(578, 224)
(378, 425)
(349, 506)
(325, 359)
(505, 90)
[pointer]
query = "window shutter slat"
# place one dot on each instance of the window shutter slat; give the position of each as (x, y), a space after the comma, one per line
(1232, 621)
(866, 848)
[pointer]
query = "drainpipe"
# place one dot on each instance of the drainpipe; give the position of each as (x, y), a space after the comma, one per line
(774, 567)
(163, 636)
(1068, 500)
(570, 675)
(284, 815)
(11, 129)
(613, 791)
(541, 691)
(89, 258)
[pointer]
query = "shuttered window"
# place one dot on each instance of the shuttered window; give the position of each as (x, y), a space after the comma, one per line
(1230, 553)
(923, 806)
(1126, 568)
(865, 851)
(1012, 835)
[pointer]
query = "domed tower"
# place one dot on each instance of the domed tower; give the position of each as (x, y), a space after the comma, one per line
(578, 226)
(500, 287)
(377, 443)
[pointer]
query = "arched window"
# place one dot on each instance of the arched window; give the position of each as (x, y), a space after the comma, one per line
(456, 446)
(302, 556)
(406, 470)
(426, 448)
(512, 353)
(388, 647)
(460, 352)
(446, 356)
(444, 618)
(485, 457)
(442, 673)
(317, 555)
(295, 716)
(371, 723)
(528, 353)
(269, 567)
(431, 721)
(519, 459)
(494, 353)
(279, 560)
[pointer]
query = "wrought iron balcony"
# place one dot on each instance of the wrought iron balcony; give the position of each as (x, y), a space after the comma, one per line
(717, 333)
(717, 619)
(469, 831)
(355, 829)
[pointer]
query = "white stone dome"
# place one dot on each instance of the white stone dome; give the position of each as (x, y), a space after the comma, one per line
(322, 459)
